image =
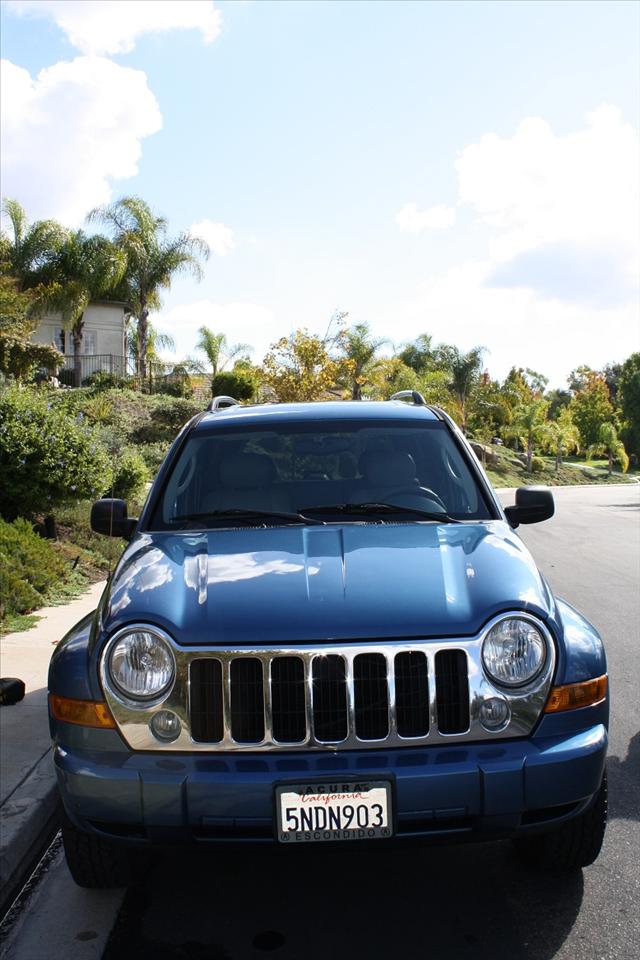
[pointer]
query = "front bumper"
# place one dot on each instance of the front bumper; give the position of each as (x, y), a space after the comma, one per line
(480, 790)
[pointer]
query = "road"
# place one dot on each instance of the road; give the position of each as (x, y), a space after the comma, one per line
(434, 902)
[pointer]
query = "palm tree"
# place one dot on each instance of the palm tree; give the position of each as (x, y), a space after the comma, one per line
(564, 436)
(610, 444)
(85, 268)
(360, 350)
(153, 259)
(28, 248)
(464, 373)
(529, 425)
(218, 351)
(156, 342)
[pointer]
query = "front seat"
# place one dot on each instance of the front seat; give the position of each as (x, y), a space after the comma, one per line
(247, 482)
(390, 476)
(384, 472)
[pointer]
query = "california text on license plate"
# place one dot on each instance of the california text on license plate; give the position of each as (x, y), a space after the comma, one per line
(308, 812)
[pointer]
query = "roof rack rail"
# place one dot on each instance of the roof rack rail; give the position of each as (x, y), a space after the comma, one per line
(222, 402)
(416, 397)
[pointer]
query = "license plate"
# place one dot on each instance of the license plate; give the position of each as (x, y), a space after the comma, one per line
(313, 812)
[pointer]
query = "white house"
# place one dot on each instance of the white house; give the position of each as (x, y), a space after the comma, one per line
(103, 340)
(104, 331)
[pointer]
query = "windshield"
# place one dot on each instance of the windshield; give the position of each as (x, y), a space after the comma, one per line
(346, 471)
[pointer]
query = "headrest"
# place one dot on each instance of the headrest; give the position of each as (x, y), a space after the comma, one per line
(385, 468)
(247, 470)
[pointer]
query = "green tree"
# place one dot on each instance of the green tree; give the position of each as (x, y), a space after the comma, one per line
(591, 405)
(529, 425)
(360, 350)
(153, 259)
(156, 342)
(219, 352)
(299, 368)
(419, 355)
(27, 249)
(464, 374)
(610, 444)
(85, 268)
(629, 390)
(564, 436)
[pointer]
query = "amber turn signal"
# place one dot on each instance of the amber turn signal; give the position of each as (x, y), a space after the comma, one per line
(571, 696)
(87, 713)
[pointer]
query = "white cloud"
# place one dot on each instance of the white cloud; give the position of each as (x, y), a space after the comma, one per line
(551, 202)
(242, 322)
(70, 132)
(517, 326)
(219, 237)
(113, 26)
(560, 215)
(412, 220)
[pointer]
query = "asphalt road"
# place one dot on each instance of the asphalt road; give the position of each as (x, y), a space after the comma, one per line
(448, 902)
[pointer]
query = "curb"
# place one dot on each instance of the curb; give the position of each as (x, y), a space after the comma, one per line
(28, 820)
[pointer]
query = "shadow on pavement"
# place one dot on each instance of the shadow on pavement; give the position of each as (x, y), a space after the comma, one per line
(340, 903)
(624, 783)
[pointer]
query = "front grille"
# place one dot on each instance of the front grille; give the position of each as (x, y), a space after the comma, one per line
(274, 699)
(452, 691)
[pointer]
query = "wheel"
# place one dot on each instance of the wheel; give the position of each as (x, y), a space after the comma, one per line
(95, 862)
(571, 846)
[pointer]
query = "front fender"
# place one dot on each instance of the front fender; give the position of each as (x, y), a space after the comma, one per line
(584, 656)
(70, 672)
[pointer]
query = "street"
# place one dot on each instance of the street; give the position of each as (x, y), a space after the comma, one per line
(429, 902)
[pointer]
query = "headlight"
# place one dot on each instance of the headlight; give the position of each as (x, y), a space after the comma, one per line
(514, 652)
(141, 665)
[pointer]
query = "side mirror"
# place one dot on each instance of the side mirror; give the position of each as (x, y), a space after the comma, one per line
(109, 517)
(533, 504)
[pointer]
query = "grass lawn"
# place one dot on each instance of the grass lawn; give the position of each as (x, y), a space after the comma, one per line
(507, 471)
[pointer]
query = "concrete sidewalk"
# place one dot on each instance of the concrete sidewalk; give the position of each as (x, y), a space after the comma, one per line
(28, 796)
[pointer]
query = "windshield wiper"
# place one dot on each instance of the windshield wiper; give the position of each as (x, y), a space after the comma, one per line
(238, 513)
(365, 509)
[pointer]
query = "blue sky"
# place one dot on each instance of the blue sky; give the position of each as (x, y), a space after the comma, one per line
(466, 169)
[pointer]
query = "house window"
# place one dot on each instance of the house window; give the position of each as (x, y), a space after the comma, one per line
(89, 341)
(59, 338)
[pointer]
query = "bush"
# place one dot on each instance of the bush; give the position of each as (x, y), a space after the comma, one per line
(47, 456)
(130, 476)
(153, 454)
(30, 565)
(165, 417)
(238, 383)
(537, 465)
(102, 380)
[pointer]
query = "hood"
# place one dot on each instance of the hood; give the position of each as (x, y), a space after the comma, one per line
(294, 584)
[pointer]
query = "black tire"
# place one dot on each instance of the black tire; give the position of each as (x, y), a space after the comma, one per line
(94, 862)
(573, 845)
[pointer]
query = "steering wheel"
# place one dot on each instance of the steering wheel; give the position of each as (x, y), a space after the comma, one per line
(422, 493)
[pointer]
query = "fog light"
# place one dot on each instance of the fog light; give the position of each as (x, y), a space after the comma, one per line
(165, 726)
(494, 713)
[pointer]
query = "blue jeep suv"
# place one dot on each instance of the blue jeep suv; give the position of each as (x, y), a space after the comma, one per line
(324, 628)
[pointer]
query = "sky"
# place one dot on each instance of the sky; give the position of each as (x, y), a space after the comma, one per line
(466, 169)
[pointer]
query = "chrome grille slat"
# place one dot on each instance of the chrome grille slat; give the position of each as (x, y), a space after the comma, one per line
(525, 704)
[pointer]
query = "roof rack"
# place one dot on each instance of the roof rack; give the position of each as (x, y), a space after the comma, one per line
(416, 397)
(222, 402)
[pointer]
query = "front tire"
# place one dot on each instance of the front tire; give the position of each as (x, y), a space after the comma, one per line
(93, 861)
(573, 845)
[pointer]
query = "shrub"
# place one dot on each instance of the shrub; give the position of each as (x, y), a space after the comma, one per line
(537, 465)
(102, 380)
(166, 416)
(238, 383)
(153, 454)
(130, 476)
(30, 565)
(47, 456)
